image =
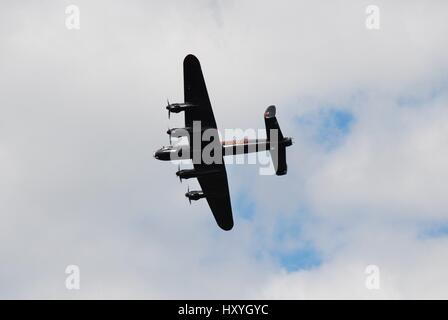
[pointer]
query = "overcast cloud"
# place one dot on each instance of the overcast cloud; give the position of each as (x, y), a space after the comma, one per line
(82, 111)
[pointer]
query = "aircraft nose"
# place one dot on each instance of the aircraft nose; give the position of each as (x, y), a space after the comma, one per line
(156, 155)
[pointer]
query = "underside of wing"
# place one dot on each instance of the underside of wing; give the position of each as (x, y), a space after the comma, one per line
(216, 190)
(215, 185)
(195, 92)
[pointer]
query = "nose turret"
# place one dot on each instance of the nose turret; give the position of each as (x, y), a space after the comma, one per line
(162, 154)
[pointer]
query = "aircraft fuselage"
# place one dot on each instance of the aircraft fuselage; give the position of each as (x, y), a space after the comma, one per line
(228, 148)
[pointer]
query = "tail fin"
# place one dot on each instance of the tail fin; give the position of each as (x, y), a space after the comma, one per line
(275, 138)
(271, 123)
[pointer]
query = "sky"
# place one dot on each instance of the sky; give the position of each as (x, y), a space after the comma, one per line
(82, 111)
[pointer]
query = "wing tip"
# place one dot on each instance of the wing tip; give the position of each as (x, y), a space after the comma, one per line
(191, 58)
(270, 112)
(226, 226)
(281, 172)
(225, 222)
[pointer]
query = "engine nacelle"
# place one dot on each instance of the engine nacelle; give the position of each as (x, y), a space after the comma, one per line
(193, 173)
(287, 141)
(183, 132)
(195, 195)
(178, 107)
(178, 132)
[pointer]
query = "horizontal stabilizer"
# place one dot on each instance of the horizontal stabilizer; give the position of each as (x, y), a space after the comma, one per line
(275, 138)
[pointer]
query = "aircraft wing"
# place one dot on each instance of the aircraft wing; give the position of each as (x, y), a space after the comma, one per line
(195, 92)
(216, 189)
(214, 186)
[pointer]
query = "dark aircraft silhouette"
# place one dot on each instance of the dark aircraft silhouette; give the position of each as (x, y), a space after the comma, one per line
(212, 176)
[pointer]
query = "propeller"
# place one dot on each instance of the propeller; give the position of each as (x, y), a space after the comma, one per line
(169, 110)
(178, 169)
(169, 133)
(188, 191)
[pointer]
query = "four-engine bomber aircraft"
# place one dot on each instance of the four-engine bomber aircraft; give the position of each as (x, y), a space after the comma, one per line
(212, 176)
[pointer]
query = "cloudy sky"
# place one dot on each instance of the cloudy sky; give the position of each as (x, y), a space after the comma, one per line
(82, 111)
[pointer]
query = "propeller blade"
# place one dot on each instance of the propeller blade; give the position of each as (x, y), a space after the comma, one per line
(168, 132)
(178, 169)
(167, 107)
(189, 199)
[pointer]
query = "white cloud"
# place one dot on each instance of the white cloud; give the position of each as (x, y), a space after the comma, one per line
(82, 111)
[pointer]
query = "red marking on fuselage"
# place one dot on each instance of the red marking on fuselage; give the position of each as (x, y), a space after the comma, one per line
(235, 142)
